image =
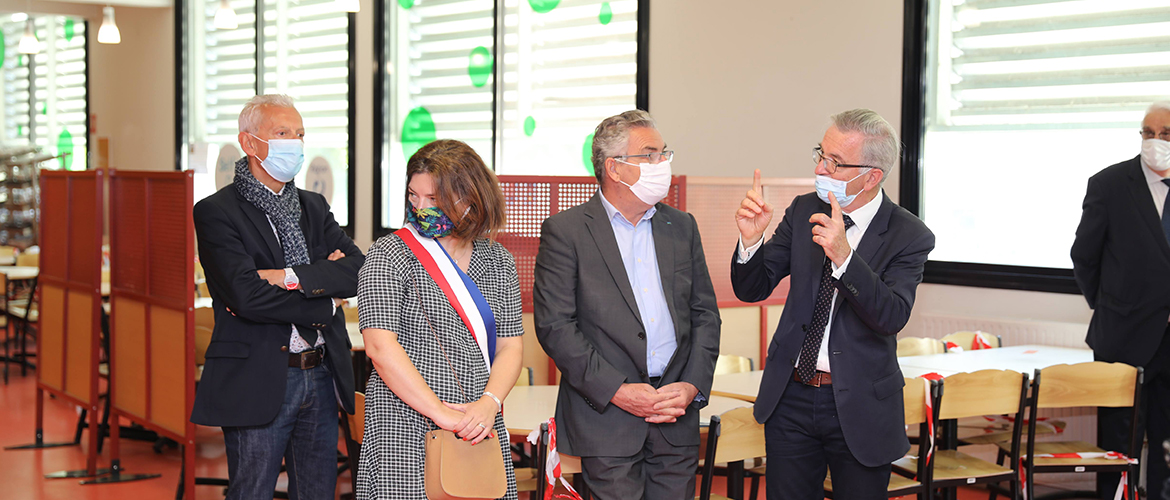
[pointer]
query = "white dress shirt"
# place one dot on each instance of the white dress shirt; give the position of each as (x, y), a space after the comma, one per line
(862, 217)
(1158, 189)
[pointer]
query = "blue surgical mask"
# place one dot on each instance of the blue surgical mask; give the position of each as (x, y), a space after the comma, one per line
(826, 185)
(285, 158)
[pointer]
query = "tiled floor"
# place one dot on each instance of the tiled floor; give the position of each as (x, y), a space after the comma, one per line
(22, 471)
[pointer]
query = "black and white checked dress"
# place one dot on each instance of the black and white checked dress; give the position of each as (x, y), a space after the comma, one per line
(393, 452)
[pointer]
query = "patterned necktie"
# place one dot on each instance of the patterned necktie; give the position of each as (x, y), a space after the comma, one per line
(820, 319)
(1166, 213)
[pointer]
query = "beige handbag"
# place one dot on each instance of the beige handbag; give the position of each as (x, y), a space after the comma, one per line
(454, 469)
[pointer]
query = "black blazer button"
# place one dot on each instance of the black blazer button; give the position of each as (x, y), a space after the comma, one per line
(643, 374)
(283, 348)
(642, 335)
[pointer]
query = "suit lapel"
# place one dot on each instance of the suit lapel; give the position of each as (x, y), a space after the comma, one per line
(1139, 190)
(664, 242)
(599, 227)
(263, 227)
(872, 240)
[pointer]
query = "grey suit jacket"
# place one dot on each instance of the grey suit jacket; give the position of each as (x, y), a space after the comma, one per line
(587, 320)
(874, 298)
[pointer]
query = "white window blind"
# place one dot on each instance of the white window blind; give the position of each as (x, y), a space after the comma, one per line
(59, 78)
(305, 54)
(16, 84)
(567, 65)
(1025, 100)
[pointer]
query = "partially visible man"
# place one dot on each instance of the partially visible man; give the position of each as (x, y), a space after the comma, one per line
(1121, 260)
(625, 307)
(831, 394)
(277, 266)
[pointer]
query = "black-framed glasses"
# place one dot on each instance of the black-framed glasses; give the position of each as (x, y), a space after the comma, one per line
(830, 164)
(1149, 134)
(650, 157)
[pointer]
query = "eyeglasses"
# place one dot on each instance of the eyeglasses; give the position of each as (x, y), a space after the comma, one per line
(651, 157)
(1149, 134)
(830, 164)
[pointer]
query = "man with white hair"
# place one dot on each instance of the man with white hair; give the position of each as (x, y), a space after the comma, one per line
(831, 393)
(1121, 260)
(277, 266)
(624, 305)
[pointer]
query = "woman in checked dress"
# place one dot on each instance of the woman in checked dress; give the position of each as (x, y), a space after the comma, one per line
(453, 198)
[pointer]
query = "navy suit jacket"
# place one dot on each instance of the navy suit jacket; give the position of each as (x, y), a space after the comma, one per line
(244, 378)
(874, 298)
(1121, 261)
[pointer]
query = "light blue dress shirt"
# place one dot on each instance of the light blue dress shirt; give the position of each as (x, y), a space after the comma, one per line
(636, 244)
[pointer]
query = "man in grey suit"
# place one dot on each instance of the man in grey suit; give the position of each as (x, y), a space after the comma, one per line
(831, 394)
(625, 307)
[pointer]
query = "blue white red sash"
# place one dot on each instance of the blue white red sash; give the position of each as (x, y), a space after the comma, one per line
(461, 292)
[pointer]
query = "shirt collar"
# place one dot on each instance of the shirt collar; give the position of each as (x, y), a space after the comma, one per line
(1152, 177)
(864, 214)
(612, 211)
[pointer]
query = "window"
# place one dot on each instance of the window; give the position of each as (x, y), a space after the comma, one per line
(564, 66)
(55, 116)
(1022, 102)
(304, 51)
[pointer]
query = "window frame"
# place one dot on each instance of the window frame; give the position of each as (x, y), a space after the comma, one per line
(641, 94)
(90, 144)
(181, 94)
(914, 81)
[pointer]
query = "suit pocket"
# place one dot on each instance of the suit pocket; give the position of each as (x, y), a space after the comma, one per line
(1114, 304)
(888, 385)
(227, 350)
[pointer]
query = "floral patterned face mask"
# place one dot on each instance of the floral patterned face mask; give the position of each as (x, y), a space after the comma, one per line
(431, 222)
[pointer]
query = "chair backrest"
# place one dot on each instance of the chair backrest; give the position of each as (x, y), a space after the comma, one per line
(914, 395)
(985, 392)
(741, 438)
(709, 452)
(357, 421)
(7, 253)
(1094, 383)
(730, 363)
(919, 346)
(966, 340)
(525, 376)
(28, 259)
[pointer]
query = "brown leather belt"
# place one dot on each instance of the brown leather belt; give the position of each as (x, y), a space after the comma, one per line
(819, 379)
(307, 359)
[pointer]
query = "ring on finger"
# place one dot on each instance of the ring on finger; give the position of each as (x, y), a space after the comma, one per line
(481, 425)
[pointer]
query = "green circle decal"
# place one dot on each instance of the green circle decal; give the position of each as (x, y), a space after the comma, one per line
(529, 126)
(587, 154)
(69, 30)
(479, 66)
(543, 6)
(606, 14)
(418, 129)
(2, 45)
(406, 4)
(21, 61)
(44, 109)
(65, 149)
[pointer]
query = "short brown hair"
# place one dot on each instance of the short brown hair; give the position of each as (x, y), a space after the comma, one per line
(460, 174)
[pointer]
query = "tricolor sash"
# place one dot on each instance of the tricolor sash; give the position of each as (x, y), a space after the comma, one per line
(461, 292)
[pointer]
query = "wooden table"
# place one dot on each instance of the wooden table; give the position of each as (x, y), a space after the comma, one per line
(20, 273)
(1021, 358)
(529, 406)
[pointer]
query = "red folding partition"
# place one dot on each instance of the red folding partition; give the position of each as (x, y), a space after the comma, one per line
(530, 199)
(152, 319)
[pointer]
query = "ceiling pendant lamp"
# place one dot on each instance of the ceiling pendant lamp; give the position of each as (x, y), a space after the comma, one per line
(349, 5)
(28, 42)
(225, 17)
(109, 33)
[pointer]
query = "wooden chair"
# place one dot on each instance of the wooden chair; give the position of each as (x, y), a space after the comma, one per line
(570, 469)
(985, 392)
(1092, 384)
(919, 346)
(914, 395)
(730, 363)
(20, 313)
(525, 378)
(200, 281)
(709, 451)
(966, 340)
(741, 450)
(7, 255)
(353, 429)
(27, 259)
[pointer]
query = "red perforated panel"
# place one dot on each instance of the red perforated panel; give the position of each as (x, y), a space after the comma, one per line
(54, 229)
(170, 211)
(530, 200)
(128, 234)
(85, 231)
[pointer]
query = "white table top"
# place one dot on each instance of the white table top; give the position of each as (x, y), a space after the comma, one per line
(529, 406)
(20, 272)
(1021, 358)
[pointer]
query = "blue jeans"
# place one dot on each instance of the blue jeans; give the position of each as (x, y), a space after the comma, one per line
(304, 434)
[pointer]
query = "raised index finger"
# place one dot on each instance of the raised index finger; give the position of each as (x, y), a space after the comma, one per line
(836, 208)
(756, 183)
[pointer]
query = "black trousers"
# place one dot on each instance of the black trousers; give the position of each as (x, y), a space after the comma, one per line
(1113, 425)
(803, 439)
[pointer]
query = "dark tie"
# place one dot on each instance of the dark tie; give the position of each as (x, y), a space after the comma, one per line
(1166, 213)
(820, 318)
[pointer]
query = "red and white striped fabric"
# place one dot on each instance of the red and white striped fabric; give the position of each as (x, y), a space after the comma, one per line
(927, 378)
(1122, 486)
(552, 464)
(978, 343)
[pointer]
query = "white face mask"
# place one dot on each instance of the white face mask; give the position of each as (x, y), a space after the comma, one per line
(1156, 154)
(654, 183)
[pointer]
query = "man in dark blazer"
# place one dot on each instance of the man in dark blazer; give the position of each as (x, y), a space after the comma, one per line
(1121, 261)
(277, 266)
(831, 394)
(625, 307)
